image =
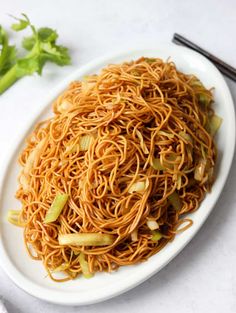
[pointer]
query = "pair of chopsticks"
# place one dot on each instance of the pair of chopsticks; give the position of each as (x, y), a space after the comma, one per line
(223, 67)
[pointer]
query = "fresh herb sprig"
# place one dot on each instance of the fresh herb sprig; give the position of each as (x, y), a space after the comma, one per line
(41, 47)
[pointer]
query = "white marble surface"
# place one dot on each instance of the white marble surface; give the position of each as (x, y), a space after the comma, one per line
(203, 277)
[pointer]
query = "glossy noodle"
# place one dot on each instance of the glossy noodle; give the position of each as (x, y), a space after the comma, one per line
(127, 155)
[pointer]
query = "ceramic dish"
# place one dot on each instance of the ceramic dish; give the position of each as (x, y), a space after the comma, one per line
(30, 275)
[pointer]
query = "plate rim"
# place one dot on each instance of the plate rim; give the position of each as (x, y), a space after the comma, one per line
(54, 296)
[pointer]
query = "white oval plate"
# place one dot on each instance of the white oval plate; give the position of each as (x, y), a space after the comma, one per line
(31, 276)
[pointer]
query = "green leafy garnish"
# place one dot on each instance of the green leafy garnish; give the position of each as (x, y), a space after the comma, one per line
(22, 23)
(41, 47)
(7, 53)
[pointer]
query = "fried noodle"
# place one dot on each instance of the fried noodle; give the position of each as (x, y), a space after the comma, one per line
(131, 115)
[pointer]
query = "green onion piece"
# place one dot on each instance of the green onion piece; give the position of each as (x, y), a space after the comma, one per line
(164, 133)
(34, 156)
(84, 266)
(200, 169)
(214, 124)
(203, 152)
(152, 225)
(55, 209)
(86, 239)
(150, 60)
(156, 235)
(186, 136)
(195, 82)
(173, 157)
(13, 218)
(175, 201)
(62, 267)
(87, 84)
(85, 142)
(204, 99)
(72, 148)
(156, 164)
(24, 181)
(138, 187)
(64, 106)
(179, 182)
(142, 143)
(76, 252)
(171, 161)
(211, 175)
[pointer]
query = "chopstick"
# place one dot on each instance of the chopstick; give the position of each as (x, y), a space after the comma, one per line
(225, 68)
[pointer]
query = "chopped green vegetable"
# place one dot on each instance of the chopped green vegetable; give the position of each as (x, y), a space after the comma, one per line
(34, 156)
(72, 148)
(164, 133)
(214, 124)
(156, 235)
(179, 182)
(152, 224)
(150, 60)
(169, 163)
(203, 95)
(31, 161)
(203, 152)
(175, 201)
(42, 47)
(138, 186)
(186, 137)
(62, 267)
(64, 106)
(76, 252)
(86, 239)
(56, 208)
(156, 164)
(204, 99)
(87, 83)
(84, 266)
(195, 82)
(200, 169)
(13, 218)
(85, 142)
(142, 143)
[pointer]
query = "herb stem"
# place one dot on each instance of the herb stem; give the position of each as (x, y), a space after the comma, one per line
(8, 79)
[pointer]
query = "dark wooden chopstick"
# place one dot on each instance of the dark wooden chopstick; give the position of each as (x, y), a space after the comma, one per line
(225, 68)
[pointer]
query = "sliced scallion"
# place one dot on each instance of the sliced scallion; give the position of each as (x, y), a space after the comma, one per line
(175, 201)
(138, 187)
(214, 124)
(156, 164)
(156, 235)
(86, 239)
(84, 266)
(152, 225)
(85, 142)
(13, 218)
(55, 209)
